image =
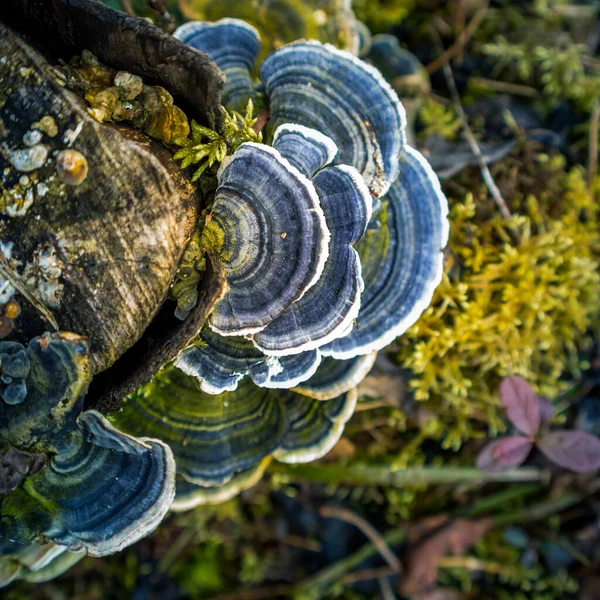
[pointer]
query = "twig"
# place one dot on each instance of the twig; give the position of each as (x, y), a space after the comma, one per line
(367, 574)
(383, 474)
(470, 563)
(268, 591)
(540, 511)
(465, 35)
(386, 589)
(485, 172)
(336, 571)
(503, 86)
(593, 146)
(126, 7)
(8, 273)
(348, 516)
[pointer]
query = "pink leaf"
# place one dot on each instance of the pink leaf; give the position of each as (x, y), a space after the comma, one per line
(546, 412)
(522, 406)
(504, 454)
(574, 450)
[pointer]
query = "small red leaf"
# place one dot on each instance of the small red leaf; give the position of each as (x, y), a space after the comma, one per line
(573, 450)
(522, 406)
(504, 454)
(546, 411)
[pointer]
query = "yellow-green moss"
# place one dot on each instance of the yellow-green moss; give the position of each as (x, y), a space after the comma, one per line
(517, 297)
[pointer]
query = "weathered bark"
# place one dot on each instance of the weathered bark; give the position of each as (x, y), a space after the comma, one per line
(160, 344)
(119, 236)
(123, 42)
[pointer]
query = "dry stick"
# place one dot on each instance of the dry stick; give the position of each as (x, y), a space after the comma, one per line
(485, 172)
(383, 474)
(386, 589)
(126, 7)
(593, 146)
(502, 86)
(348, 516)
(7, 272)
(465, 35)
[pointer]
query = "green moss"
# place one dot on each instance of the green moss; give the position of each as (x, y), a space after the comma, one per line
(381, 15)
(517, 297)
(439, 119)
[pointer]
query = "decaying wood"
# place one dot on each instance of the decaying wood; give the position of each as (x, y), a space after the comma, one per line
(118, 236)
(123, 42)
(160, 344)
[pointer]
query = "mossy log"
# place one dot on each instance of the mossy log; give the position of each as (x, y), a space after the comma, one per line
(99, 251)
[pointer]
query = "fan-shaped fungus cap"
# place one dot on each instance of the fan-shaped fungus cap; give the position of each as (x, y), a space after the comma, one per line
(308, 150)
(233, 45)
(343, 97)
(189, 495)
(56, 382)
(335, 377)
(212, 437)
(402, 260)
(219, 440)
(14, 368)
(36, 563)
(328, 309)
(219, 363)
(102, 491)
(268, 229)
(314, 426)
(400, 67)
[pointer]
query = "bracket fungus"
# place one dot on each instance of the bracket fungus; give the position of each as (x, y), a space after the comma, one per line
(261, 197)
(221, 439)
(402, 261)
(360, 113)
(219, 363)
(234, 46)
(35, 563)
(14, 368)
(327, 310)
(335, 377)
(101, 491)
(68, 500)
(324, 244)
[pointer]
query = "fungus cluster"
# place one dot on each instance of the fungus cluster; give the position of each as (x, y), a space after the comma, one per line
(331, 236)
(98, 490)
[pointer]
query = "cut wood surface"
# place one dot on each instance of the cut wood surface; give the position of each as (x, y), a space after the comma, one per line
(116, 239)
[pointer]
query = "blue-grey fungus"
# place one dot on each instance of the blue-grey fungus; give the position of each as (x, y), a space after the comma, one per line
(189, 495)
(402, 260)
(307, 149)
(401, 68)
(335, 377)
(233, 45)
(102, 491)
(219, 363)
(213, 437)
(314, 426)
(57, 380)
(222, 441)
(361, 113)
(14, 368)
(35, 563)
(268, 229)
(327, 310)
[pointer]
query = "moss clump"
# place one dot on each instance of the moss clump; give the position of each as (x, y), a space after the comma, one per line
(208, 147)
(382, 15)
(517, 297)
